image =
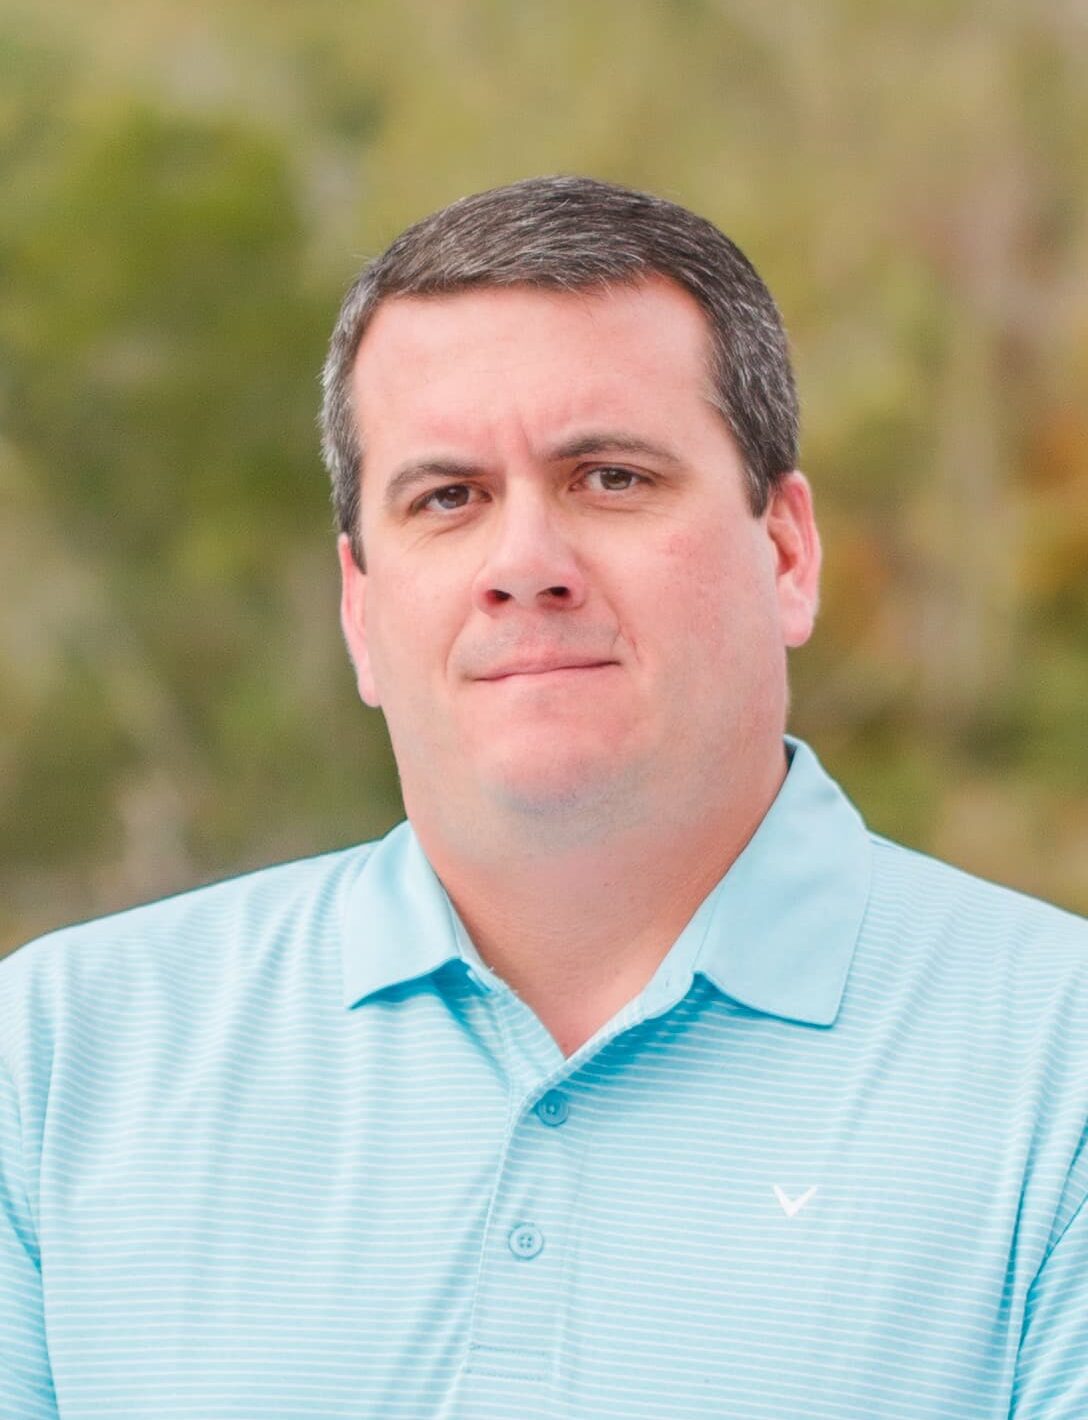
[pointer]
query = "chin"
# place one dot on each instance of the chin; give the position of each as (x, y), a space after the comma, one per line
(575, 792)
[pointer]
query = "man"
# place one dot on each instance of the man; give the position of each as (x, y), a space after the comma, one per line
(632, 1077)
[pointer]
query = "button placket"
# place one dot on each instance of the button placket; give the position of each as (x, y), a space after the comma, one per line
(520, 1295)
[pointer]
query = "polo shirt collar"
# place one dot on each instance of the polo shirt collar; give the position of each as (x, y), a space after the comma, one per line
(398, 924)
(781, 925)
(787, 915)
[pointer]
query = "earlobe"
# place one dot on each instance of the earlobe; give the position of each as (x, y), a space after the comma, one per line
(353, 620)
(791, 525)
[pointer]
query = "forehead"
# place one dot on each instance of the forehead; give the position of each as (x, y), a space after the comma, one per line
(460, 364)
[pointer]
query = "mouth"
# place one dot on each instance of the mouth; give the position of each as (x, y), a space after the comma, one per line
(546, 668)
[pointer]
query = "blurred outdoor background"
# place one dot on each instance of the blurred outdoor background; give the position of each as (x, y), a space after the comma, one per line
(186, 188)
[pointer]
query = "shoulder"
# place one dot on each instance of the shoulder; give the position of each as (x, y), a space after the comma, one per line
(985, 990)
(996, 960)
(265, 897)
(213, 933)
(927, 898)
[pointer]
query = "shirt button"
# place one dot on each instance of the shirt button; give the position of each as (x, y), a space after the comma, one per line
(553, 1108)
(526, 1240)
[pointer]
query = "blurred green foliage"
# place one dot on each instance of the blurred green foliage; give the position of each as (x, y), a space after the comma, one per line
(188, 189)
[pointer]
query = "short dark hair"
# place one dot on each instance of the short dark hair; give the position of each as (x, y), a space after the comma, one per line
(573, 234)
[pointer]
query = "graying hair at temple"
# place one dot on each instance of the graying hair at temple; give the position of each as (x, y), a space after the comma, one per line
(574, 234)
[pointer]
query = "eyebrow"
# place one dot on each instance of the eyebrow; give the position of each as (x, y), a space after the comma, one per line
(608, 441)
(421, 471)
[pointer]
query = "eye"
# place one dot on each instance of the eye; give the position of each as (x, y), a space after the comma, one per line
(615, 480)
(451, 498)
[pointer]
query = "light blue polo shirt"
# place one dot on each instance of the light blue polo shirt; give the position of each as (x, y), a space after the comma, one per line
(285, 1149)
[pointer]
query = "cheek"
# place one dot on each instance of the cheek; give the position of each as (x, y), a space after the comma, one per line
(719, 590)
(408, 633)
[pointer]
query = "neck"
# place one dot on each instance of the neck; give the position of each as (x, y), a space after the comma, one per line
(577, 931)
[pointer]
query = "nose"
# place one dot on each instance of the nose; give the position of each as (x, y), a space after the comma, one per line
(530, 561)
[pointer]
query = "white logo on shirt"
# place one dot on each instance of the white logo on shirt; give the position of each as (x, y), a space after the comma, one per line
(792, 1206)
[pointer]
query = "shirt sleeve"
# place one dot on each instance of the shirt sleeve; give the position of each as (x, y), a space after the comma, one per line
(1051, 1381)
(26, 1381)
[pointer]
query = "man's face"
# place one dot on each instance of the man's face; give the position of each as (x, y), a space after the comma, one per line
(568, 606)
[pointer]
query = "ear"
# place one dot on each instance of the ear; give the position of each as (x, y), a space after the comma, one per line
(791, 527)
(353, 619)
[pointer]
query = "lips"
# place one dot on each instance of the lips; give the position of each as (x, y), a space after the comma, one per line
(545, 665)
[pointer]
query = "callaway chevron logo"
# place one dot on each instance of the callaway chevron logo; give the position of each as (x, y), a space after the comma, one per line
(792, 1206)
